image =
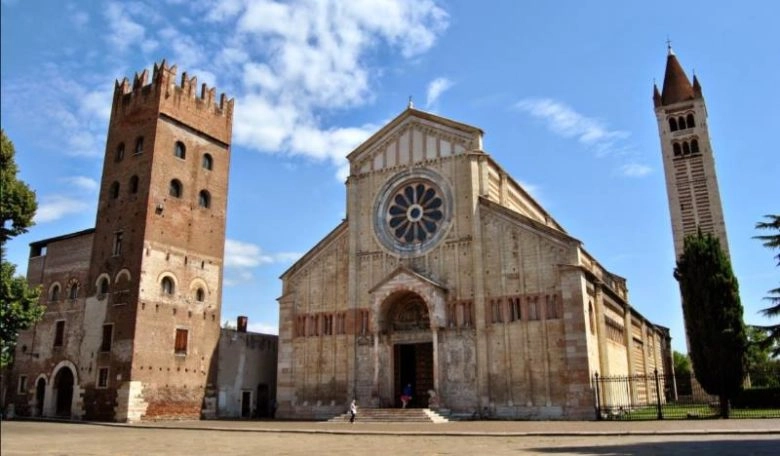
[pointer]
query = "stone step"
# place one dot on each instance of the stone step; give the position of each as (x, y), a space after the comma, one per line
(392, 415)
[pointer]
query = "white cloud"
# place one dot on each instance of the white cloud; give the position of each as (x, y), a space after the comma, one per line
(56, 207)
(82, 182)
(635, 170)
(247, 255)
(437, 87)
(124, 32)
(565, 121)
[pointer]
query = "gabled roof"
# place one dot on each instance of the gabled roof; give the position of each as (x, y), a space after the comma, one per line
(405, 270)
(403, 117)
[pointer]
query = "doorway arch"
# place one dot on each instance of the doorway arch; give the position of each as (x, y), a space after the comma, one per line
(40, 396)
(64, 383)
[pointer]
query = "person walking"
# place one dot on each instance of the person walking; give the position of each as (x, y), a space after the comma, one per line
(352, 411)
(406, 395)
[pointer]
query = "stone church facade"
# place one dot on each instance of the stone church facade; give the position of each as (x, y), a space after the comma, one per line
(448, 276)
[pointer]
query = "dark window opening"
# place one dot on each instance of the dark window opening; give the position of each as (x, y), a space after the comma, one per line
(204, 199)
(677, 151)
(207, 161)
(103, 286)
(108, 335)
(681, 123)
(114, 191)
(175, 189)
(117, 248)
(694, 146)
(167, 286)
(686, 148)
(673, 124)
(55, 293)
(200, 295)
(179, 150)
(120, 152)
(59, 333)
(134, 184)
(103, 377)
(180, 345)
(74, 291)
(139, 145)
(689, 120)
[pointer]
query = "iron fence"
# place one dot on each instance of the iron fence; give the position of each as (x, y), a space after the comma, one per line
(656, 396)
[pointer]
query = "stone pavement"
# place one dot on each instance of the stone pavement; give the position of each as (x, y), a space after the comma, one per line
(750, 437)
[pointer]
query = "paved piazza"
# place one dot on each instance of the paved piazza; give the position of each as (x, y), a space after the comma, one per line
(255, 438)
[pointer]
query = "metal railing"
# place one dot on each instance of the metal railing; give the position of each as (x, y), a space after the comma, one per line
(656, 396)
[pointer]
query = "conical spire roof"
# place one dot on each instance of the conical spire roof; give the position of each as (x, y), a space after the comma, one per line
(677, 87)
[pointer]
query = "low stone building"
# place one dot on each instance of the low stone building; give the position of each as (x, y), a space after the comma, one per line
(448, 276)
(246, 373)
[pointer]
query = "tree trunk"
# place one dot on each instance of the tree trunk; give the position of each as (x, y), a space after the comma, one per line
(725, 410)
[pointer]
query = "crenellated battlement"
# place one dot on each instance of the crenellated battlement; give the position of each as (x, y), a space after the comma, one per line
(163, 85)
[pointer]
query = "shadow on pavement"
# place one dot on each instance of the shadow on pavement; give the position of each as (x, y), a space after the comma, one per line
(708, 447)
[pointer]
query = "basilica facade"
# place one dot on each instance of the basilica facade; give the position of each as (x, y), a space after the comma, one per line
(448, 277)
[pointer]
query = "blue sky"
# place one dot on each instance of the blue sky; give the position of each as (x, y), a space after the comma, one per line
(561, 89)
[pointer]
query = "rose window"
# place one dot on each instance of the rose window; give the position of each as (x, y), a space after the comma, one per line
(415, 213)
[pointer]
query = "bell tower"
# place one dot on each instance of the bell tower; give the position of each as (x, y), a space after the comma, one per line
(158, 249)
(689, 164)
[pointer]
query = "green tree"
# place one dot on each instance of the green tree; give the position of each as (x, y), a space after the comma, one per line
(19, 306)
(713, 317)
(18, 200)
(682, 373)
(764, 371)
(772, 241)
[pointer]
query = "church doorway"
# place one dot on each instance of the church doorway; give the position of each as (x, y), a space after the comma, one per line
(413, 366)
(63, 385)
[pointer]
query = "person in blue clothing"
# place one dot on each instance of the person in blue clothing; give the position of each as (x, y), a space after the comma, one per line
(406, 395)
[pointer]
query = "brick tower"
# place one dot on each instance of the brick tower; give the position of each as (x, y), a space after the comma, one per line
(689, 164)
(157, 255)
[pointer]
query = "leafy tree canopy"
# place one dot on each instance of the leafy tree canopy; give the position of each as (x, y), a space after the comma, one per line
(772, 241)
(18, 203)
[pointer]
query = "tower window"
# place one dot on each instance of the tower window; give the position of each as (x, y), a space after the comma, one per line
(55, 293)
(673, 124)
(74, 291)
(120, 152)
(180, 345)
(103, 286)
(102, 377)
(59, 333)
(175, 189)
(689, 120)
(108, 335)
(681, 123)
(677, 151)
(179, 150)
(204, 199)
(114, 190)
(686, 148)
(134, 184)
(207, 162)
(200, 295)
(167, 286)
(694, 146)
(139, 145)
(117, 248)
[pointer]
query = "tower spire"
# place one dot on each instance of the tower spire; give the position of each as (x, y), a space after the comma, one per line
(676, 86)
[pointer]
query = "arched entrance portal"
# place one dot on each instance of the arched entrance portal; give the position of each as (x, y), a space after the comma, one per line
(40, 395)
(63, 386)
(408, 325)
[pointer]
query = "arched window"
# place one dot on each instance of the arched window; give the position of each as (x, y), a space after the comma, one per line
(686, 148)
(55, 293)
(175, 189)
(200, 295)
(694, 146)
(672, 124)
(114, 190)
(179, 150)
(120, 152)
(689, 120)
(166, 286)
(591, 318)
(207, 162)
(103, 286)
(74, 291)
(139, 145)
(134, 184)
(204, 199)
(681, 123)
(677, 151)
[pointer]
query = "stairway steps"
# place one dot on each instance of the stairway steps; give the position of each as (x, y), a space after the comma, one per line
(373, 415)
